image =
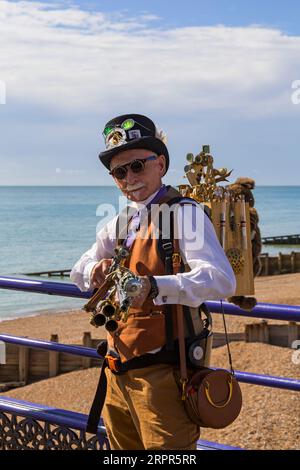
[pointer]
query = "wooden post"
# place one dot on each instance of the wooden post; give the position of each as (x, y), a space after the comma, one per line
(279, 262)
(297, 262)
(292, 257)
(292, 333)
(53, 359)
(87, 342)
(23, 364)
(267, 264)
(263, 332)
(248, 333)
(255, 333)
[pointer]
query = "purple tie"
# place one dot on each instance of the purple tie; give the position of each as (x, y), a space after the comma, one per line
(136, 218)
(132, 229)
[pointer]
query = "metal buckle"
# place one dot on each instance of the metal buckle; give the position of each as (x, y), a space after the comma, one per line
(113, 363)
(167, 246)
(176, 259)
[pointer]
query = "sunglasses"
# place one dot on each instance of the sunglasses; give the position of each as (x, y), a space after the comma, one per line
(136, 166)
(126, 125)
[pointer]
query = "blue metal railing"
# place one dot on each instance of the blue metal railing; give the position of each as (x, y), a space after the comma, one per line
(63, 429)
(261, 310)
(245, 377)
(77, 421)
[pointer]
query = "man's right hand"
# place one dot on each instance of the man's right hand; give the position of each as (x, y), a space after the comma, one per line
(99, 272)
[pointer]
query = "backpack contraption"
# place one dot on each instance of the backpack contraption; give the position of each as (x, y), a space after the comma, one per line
(232, 212)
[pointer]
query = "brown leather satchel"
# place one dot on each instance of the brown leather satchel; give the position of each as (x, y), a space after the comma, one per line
(212, 398)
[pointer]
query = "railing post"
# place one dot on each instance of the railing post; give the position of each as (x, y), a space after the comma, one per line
(53, 359)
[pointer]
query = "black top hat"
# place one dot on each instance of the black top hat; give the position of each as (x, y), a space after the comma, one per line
(131, 131)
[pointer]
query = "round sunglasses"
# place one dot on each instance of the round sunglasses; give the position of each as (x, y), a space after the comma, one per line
(136, 166)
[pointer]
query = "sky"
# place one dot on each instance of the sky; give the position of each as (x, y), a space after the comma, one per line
(224, 73)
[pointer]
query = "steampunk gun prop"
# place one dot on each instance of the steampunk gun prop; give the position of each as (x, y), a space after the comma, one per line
(229, 213)
(112, 301)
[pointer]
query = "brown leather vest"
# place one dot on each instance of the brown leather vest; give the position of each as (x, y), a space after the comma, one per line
(144, 330)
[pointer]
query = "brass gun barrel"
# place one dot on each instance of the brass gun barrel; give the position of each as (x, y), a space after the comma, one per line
(91, 305)
(97, 319)
(108, 309)
(111, 325)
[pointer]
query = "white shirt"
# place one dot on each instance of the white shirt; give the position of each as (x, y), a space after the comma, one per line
(210, 277)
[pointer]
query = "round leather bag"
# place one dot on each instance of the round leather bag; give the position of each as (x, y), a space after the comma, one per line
(213, 398)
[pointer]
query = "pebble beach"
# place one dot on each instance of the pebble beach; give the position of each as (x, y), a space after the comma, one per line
(270, 418)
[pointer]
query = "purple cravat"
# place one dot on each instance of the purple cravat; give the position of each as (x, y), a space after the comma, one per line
(132, 229)
(136, 218)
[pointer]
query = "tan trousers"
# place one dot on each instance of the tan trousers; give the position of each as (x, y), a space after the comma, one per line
(144, 410)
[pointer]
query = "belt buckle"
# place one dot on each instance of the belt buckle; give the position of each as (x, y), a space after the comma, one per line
(113, 363)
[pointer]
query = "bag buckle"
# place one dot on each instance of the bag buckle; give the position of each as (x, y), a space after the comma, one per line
(113, 363)
(183, 388)
(176, 259)
(167, 246)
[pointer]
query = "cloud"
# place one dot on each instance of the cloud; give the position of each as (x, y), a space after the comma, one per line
(72, 60)
(67, 70)
(2, 93)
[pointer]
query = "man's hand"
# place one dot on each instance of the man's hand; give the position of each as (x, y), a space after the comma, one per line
(140, 299)
(100, 271)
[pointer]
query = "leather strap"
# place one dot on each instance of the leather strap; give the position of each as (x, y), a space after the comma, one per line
(98, 402)
(180, 323)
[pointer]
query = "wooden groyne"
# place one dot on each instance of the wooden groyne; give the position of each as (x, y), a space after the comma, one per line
(280, 264)
(55, 273)
(25, 365)
(282, 240)
(277, 335)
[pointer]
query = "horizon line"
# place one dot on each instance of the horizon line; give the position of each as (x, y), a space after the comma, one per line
(113, 186)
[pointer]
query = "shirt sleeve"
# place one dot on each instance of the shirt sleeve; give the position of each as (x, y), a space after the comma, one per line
(102, 248)
(210, 277)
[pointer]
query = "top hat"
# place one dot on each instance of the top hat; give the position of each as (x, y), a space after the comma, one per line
(131, 131)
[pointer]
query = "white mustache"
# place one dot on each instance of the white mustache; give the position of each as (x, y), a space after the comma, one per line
(134, 187)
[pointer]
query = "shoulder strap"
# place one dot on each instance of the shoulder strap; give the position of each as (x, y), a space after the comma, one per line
(167, 247)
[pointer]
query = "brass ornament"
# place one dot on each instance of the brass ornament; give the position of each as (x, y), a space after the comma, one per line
(228, 210)
(116, 138)
(236, 259)
(203, 177)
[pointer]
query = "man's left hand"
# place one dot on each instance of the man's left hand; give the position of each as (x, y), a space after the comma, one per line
(140, 299)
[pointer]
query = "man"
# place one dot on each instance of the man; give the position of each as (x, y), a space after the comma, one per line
(143, 407)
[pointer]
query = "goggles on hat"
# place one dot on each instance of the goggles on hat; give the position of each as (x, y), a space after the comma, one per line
(136, 166)
(126, 125)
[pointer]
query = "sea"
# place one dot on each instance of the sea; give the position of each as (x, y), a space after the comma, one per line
(48, 228)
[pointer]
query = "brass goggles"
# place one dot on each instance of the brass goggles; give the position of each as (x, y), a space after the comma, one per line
(136, 166)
